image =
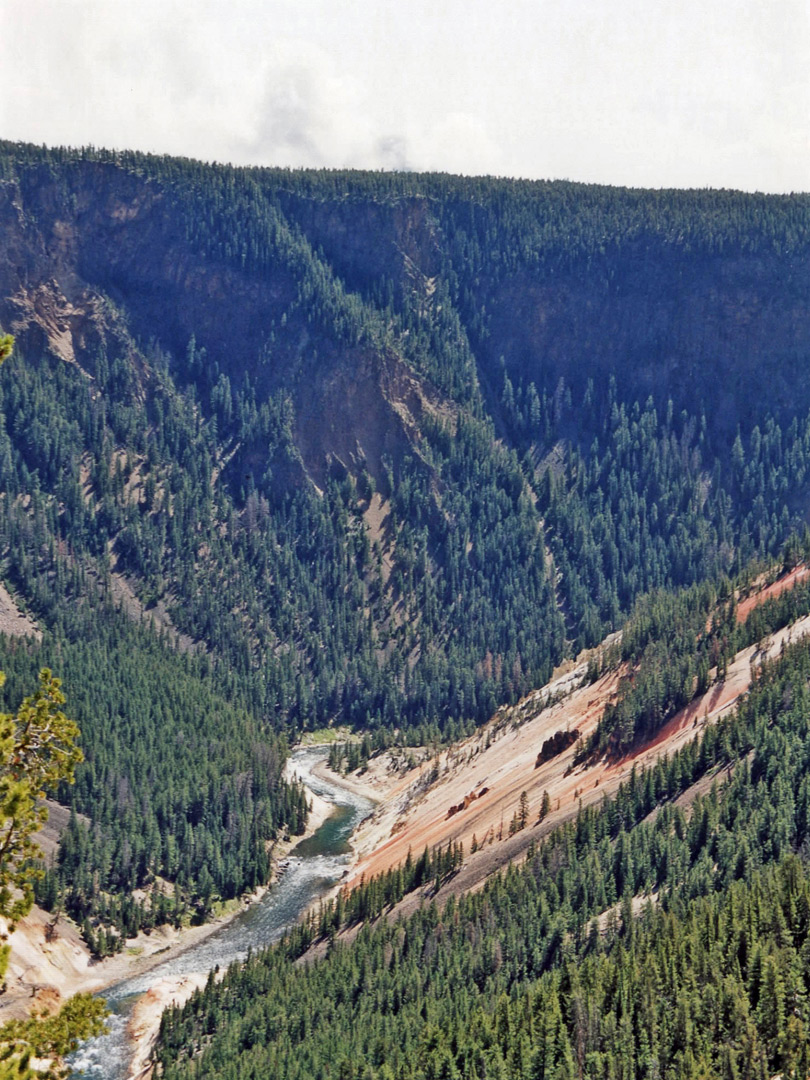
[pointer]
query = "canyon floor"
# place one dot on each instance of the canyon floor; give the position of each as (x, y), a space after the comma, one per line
(467, 794)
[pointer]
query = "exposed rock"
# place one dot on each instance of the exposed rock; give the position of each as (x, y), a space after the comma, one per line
(13, 621)
(556, 744)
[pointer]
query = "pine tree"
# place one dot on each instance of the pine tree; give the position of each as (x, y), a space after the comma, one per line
(37, 751)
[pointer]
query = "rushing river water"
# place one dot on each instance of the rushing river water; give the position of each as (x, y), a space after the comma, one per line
(313, 867)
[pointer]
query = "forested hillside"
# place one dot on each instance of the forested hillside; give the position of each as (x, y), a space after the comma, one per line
(663, 933)
(385, 442)
(283, 449)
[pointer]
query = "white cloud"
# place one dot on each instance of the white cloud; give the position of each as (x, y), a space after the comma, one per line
(456, 142)
(311, 113)
(631, 92)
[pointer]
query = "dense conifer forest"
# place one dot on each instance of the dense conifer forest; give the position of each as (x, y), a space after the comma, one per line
(551, 971)
(281, 450)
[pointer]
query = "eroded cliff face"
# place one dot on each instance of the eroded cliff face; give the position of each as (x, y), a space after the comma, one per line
(101, 232)
(100, 261)
(726, 331)
(364, 328)
(279, 278)
(368, 242)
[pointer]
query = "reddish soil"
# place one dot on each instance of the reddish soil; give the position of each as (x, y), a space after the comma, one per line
(782, 584)
(502, 756)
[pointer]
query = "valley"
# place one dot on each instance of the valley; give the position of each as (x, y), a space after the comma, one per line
(712, 792)
(491, 770)
(411, 809)
(500, 487)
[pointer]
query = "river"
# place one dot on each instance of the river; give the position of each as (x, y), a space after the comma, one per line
(313, 868)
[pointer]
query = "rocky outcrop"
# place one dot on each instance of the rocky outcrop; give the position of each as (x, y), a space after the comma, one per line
(98, 260)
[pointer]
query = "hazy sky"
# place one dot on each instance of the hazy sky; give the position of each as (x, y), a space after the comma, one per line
(642, 92)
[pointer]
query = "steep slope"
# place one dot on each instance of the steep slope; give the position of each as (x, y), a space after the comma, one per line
(663, 929)
(370, 448)
(190, 292)
(341, 326)
(472, 794)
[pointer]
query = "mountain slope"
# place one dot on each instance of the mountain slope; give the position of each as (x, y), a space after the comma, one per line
(365, 448)
(475, 792)
(334, 335)
(664, 929)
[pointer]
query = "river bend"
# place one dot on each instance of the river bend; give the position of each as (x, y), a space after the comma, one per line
(313, 867)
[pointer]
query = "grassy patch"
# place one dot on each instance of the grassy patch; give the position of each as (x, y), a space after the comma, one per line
(227, 907)
(325, 736)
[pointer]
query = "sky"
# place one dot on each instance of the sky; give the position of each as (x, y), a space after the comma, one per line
(645, 93)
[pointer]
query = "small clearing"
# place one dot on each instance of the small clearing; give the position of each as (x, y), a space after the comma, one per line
(377, 517)
(12, 621)
(126, 598)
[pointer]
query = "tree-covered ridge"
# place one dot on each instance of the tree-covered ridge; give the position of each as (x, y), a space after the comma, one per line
(519, 979)
(648, 504)
(281, 585)
(666, 647)
(301, 341)
(717, 985)
(675, 645)
(38, 752)
(385, 448)
(182, 779)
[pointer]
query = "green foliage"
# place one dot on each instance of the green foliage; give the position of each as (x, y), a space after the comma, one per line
(300, 568)
(180, 784)
(518, 980)
(493, 296)
(49, 1038)
(524, 455)
(675, 643)
(37, 752)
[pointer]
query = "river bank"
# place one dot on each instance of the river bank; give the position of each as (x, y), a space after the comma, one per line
(167, 991)
(50, 962)
(144, 1023)
(379, 783)
(372, 785)
(311, 865)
